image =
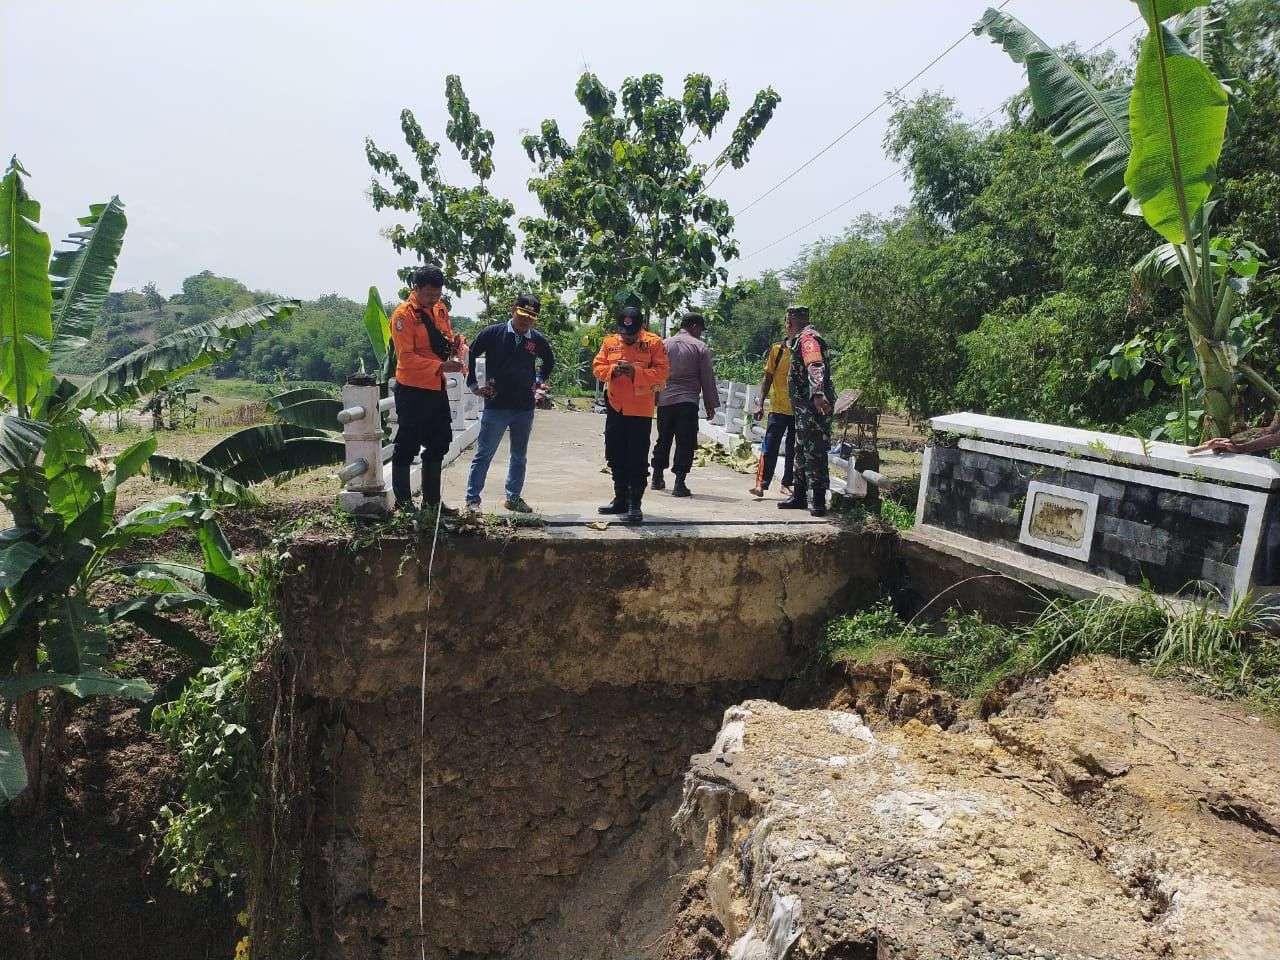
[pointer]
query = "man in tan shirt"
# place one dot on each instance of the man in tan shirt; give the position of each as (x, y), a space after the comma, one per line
(691, 377)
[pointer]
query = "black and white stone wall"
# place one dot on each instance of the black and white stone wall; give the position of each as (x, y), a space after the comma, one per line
(1167, 539)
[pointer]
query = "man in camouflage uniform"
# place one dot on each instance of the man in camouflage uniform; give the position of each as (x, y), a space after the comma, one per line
(813, 397)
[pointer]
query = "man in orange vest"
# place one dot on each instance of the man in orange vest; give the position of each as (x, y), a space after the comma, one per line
(632, 364)
(426, 349)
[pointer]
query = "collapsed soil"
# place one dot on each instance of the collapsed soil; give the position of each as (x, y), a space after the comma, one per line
(80, 878)
(1100, 814)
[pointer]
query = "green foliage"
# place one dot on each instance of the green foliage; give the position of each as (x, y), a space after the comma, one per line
(1178, 113)
(26, 296)
(326, 340)
(1174, 95)
(1025, 363)
(466, 229)
(904, 518)
(626, 214)
(377, 325)
(82, 275)
(1232, 652)
(205, 837)
(54, 622)
(1089, 125)
(963, 652)
(505, 287)
(743, 321)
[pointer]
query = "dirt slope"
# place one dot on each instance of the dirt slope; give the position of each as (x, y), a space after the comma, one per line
(1104, 814)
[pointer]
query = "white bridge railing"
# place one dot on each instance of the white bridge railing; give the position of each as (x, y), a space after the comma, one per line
(735, 423)
(369, 427)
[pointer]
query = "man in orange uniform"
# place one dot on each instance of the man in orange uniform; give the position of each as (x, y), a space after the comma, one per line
(633, 365)
(426, 349)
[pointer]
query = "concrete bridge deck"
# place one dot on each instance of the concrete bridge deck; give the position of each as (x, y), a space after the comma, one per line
(567, 480)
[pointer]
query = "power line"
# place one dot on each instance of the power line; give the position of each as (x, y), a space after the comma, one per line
(866, 116)
(823, 216)
(901, 171)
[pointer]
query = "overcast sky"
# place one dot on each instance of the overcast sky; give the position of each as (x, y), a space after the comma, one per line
(234, 130)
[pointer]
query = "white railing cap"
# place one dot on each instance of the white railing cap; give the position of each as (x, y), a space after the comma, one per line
(1242, 469)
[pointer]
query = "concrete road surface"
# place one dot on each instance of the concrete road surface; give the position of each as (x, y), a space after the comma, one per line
(567, 481)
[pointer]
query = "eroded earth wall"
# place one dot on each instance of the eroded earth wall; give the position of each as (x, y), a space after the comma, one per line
(568, 682)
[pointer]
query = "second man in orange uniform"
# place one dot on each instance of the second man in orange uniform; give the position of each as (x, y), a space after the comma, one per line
(632, 364)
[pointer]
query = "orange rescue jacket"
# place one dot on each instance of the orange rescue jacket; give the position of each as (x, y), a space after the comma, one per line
(633, 397)
(417, 364)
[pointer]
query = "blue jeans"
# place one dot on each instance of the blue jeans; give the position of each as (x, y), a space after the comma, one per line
(493, 424)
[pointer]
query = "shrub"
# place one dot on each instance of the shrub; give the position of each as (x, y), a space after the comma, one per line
(1232, 653)
(206, 836)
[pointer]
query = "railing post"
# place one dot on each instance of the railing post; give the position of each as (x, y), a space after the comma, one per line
(365, 491)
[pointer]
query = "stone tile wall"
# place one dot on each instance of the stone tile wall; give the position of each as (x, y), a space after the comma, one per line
(1143, 534)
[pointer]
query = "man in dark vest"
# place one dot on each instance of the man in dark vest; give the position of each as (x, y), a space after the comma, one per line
(518, 363)
(813, 397)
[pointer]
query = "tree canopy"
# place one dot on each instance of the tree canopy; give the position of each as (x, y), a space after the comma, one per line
(627, 219)
(466, 230)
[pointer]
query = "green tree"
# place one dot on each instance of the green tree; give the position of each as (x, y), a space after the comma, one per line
(1158, 143)
(154, 298)
(744, 319)
(65, 540)
(554, 316)
(466, 229)
(627, 217)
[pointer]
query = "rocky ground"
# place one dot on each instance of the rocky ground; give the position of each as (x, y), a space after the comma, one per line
(1099, 814)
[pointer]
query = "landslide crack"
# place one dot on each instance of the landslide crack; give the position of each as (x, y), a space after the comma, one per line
(1225, 807)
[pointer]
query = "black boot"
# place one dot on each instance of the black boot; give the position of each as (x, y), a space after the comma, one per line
(430, 483)
(680, 490)
(634, 513)
(797, 501)
(659, 482)
(400, 485)
(619, 504)
(818, 506)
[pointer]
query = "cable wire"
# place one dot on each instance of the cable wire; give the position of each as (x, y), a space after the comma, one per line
(422, 745)
(901, 171)
(866, 116)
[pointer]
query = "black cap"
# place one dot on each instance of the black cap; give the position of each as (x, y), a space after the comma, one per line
(798, 311)
(629, 321)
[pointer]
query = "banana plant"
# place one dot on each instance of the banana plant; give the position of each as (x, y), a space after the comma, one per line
(1156, 146)
(304, 436)
(66, 544)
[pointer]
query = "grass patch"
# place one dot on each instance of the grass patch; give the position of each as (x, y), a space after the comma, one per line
(895, 513)
(1230, 653)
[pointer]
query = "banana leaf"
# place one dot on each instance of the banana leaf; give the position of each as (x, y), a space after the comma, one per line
(290, 397)
(82, 274)
(170, 358)
(178, 577)
(26, 295)
(1090, 126)
(192, 475)
(273, 452)
(319, 414)
(20, 442)
(377, 325)
(1172, 186)
(90, 683)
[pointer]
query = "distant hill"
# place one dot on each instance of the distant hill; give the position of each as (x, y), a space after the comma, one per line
(324, 341)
